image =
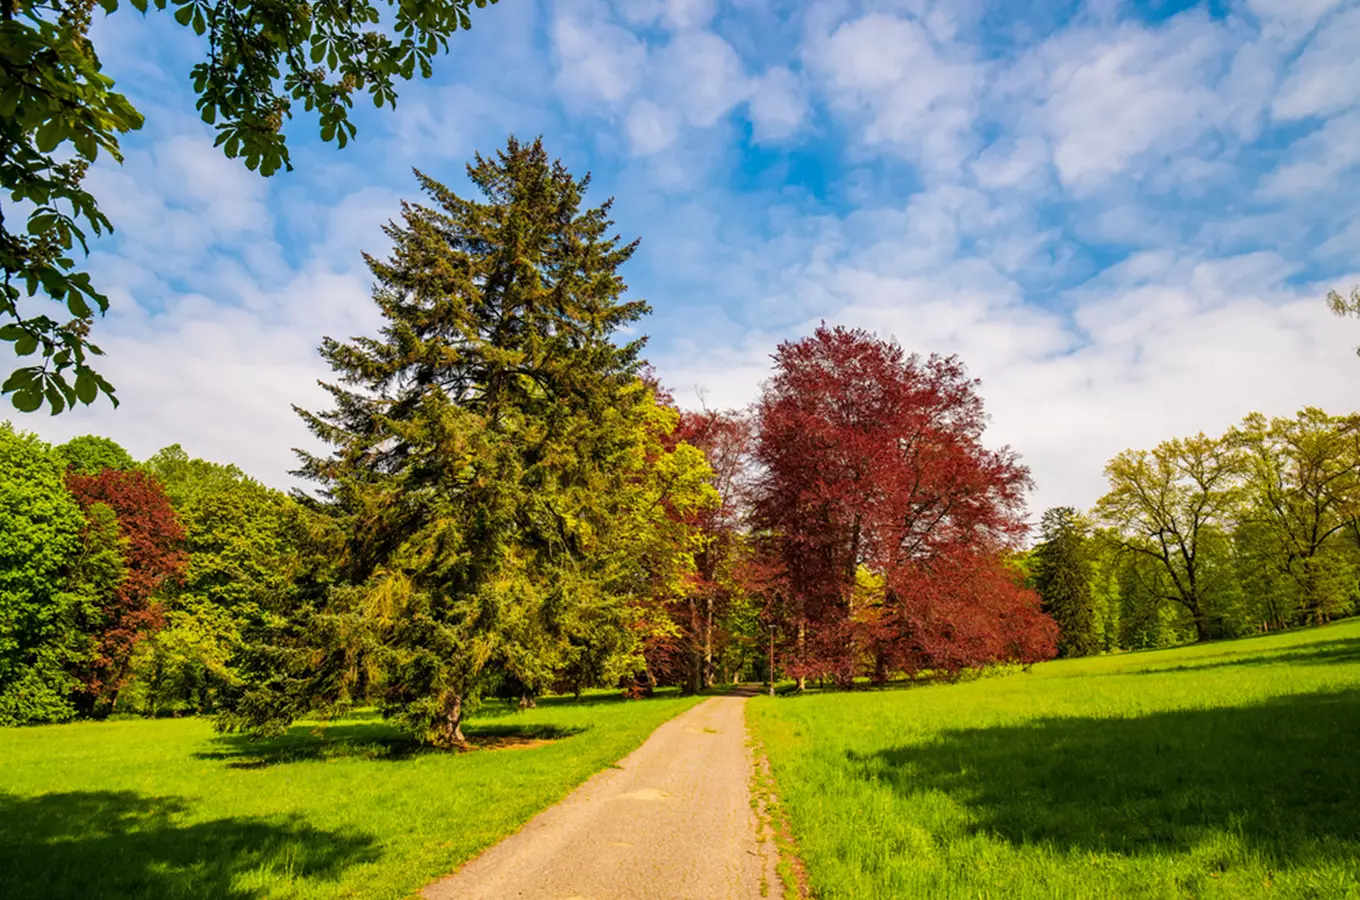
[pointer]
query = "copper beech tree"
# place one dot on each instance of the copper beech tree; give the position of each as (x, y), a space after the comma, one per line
(888, 516)
(151, 541)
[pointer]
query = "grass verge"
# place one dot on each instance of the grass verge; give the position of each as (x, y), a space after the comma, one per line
(1223, 770)
(168, 809)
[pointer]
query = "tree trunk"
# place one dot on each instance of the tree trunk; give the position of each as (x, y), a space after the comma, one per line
(695, 674)
(802, 652)
(708, 642)
(449, 728)
(1201, 626)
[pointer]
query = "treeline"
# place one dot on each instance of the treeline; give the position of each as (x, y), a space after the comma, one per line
(1210, 537)
(130, 587)
(511, 505)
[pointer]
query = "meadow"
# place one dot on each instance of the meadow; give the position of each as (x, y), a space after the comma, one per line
(1221, 770)
(167, 808)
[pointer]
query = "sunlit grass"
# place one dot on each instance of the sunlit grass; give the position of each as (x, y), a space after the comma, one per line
(1225, 770)
(169, 809)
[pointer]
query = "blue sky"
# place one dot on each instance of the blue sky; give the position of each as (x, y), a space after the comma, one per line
(1123, 217)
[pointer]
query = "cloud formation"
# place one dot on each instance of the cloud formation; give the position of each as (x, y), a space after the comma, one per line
(1123, 221)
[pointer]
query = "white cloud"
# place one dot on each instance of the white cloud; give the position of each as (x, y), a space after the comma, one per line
(1314, 163)
(651, 128)
(676, 14)
(908, 93)
(1324, 77)
(597, 61)
(689, 13)
(777, 106)
(701, 75)
(1012, 163)
(1112, 97)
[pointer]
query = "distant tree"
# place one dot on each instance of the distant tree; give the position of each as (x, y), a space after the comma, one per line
(1062, 576)
(58, 110)
(41, 641)
(715, 591)
(91, 454)
(241, 544)
(185, 478)
(1170, 505)
(500, 474)
(1345, 304)
(1303, 493)
(890, 516)
(152, 540)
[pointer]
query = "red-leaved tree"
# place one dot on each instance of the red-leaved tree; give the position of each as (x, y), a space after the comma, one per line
(725, 439)
(888, 514)
(152, 542)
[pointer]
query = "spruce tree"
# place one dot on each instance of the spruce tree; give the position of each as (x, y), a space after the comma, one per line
(498, 466)
(1062, 576)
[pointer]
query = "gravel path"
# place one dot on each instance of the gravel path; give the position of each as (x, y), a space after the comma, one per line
(673, 821)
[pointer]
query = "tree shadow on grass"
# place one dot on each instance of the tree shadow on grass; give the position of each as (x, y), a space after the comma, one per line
(124, 844)
(1280, 776)
(1342, 651)
(373, 740)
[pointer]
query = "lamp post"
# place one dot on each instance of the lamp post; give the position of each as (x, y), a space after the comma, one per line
(771, 668)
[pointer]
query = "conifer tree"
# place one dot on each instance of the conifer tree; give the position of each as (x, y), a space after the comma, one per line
(499, 467)
(1063, 576)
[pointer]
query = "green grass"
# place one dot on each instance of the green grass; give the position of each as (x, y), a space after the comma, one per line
(167, 809)
(1224, 770)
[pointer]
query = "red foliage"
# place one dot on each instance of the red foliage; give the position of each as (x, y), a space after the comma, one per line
(153, 553)
(687, 658)
(871, 459)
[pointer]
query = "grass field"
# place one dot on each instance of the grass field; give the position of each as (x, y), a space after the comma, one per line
(1224, 770)
(167, 809)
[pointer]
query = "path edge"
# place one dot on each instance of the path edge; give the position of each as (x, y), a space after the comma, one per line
(772, 821)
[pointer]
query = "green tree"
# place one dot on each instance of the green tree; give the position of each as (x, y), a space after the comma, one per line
(1062, 574)
(1303, 490)
(241, 541)
(40, 539)
(58, 112)
(499, 473)
(187, 478)
(1345, 304)
(1168, 505)
(90, 454)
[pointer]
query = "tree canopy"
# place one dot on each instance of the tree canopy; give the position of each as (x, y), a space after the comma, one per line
(889, 515)
(1063, 576)
(59, 111)
(500, 469)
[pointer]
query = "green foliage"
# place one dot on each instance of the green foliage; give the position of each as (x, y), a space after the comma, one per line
(90, 454)
(1345, 304)
(507, 502)
(40, 636)
(1221, 770)
(1062, 575)
(1169, 505)
(1303, 497)
(349, 808)
(58, 111)
(241, 540)
(186, 478)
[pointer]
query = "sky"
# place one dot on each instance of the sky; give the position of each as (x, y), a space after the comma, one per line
(1123, 217)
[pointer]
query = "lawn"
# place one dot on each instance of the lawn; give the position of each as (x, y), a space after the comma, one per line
(169, 809)
(1224, 770)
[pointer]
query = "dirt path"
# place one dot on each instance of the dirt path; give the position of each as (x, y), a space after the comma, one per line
(673, 821)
